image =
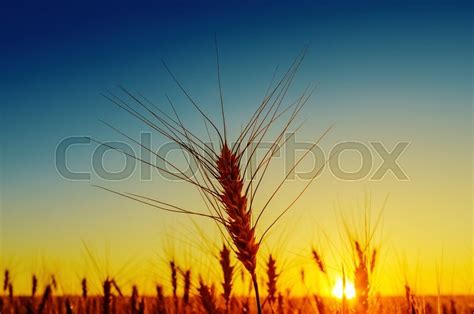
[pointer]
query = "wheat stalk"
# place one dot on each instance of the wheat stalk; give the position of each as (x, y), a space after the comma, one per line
(207, 297)
(174, 284)
(344, 298)
(373, 260)
(186, 288)
(220, 173)
(34, 286)
(6, 280)
(272, 277)
(141, 306)
(84, 288)
(44, 299)
(107, 297)
(409, 297)
(68, 306)
(281, 304)
(160, 300)
(320, 304)
(10, 293)
(228, 274)
(361, 278)
(134, 300)
(319, 261)
(364, 251)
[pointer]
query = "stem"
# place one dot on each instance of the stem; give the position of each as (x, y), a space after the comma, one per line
(176, 303)
(257, 295)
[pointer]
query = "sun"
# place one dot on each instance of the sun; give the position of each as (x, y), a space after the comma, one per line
(338, 289)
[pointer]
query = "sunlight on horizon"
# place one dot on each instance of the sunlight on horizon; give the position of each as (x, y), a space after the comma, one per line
(339, 290)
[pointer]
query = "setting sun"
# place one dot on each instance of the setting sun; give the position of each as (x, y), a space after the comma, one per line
(339, 290)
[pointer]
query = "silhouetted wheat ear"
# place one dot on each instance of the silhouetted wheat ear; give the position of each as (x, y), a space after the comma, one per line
(319, 261)
(54, 283)
(160, 301)
(272, 277)
(239, 218)
(187, 287)
(238, 224)
(84, 288)
(134, 300)
(208, 299)
(281, 304)
(34, 285)
(44, 299)
(174, 284)
(373, 260)
(6, 280)
(107, 297)
(228, 274)
(361, 278)
(409, 297)
(229, 200)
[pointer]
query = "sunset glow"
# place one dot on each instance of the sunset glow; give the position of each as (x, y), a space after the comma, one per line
(339, 291)
(237, 150)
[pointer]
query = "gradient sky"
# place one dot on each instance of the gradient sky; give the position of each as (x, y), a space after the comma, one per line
(391, 71)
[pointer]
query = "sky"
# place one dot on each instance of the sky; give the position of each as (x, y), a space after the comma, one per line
(386, 72)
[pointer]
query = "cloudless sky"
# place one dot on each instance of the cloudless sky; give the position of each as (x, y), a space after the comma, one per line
(386, 71)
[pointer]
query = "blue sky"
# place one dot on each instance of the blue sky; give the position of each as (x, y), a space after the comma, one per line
(57, 58)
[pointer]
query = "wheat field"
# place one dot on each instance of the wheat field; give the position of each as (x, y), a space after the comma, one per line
(228, 196)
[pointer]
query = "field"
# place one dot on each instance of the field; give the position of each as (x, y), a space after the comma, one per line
(228, 180)
(160, 305)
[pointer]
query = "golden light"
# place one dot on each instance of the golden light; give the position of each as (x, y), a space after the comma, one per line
(338, 291)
